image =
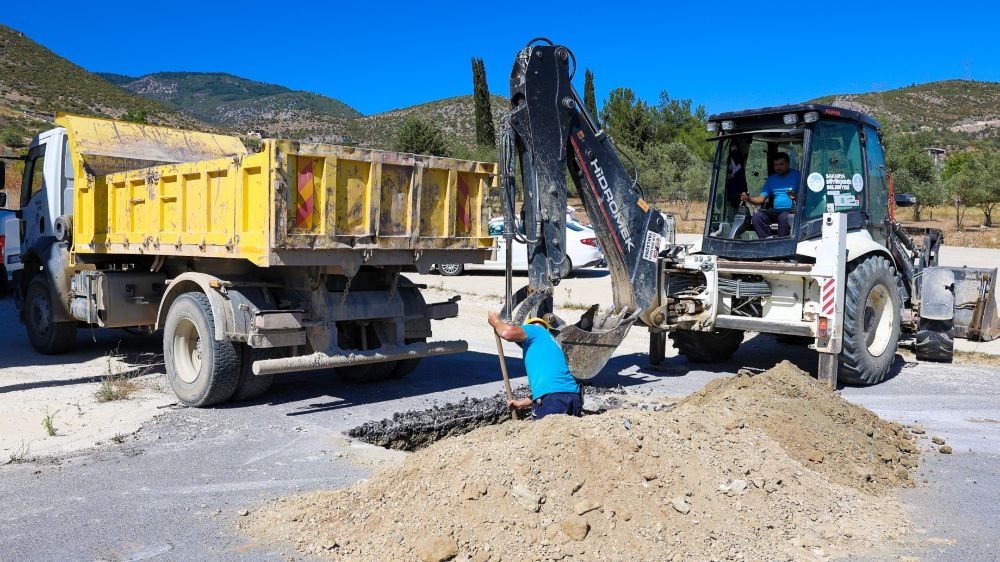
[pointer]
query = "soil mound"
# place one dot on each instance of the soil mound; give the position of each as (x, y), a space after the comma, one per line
(847, 443)
(749, 468)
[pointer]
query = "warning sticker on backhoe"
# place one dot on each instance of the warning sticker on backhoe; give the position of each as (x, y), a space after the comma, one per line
(651, 249)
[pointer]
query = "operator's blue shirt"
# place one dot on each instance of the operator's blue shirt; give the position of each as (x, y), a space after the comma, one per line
(779, 186)
(546, 363)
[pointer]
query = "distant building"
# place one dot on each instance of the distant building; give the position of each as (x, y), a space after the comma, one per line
(255, 134)
(936, 154)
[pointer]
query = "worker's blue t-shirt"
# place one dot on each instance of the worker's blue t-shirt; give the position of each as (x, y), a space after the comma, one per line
(779, 186)
(546, 363)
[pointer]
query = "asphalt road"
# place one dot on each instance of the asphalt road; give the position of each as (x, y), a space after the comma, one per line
(174, 489)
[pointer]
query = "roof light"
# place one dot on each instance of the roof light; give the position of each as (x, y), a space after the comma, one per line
(728, 125)
(811, 117)
(712, 127)
(790, 119)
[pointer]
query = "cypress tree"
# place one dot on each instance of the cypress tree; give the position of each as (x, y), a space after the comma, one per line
(589, 100)
(485, 131)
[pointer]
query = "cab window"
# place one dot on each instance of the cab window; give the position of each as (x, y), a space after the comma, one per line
(34, 174)
(877, 188)
(836, 171)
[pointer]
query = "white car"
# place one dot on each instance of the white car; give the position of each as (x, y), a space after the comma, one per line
(10, 247)
(582, 250)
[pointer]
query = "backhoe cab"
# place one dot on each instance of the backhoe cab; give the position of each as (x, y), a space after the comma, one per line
(835, 154)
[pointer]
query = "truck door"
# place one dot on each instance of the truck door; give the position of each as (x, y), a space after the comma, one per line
(47, 186)
(34, 191)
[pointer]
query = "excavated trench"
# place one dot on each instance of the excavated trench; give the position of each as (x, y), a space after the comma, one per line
(415, 429)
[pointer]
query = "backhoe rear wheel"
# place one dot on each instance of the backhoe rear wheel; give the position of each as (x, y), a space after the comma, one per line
(707, 347)
(871, 322)
(201, 370)
(935, 340)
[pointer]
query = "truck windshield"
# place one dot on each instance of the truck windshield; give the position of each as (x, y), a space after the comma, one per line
(746, 164)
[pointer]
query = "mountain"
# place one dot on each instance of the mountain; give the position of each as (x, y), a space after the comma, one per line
(455, 116)
(241, 104)
(35, 83)
(959, 106)
(116, 79)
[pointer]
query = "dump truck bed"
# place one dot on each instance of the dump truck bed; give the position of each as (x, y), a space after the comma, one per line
(143, 189)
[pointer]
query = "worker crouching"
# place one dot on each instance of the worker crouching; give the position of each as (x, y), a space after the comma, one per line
(553, 388)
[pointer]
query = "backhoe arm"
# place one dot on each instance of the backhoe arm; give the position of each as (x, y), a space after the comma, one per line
(551, 133)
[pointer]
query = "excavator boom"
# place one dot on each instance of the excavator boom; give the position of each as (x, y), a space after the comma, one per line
(550, 132)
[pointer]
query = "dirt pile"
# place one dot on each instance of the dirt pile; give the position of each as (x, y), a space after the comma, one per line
(725, 475)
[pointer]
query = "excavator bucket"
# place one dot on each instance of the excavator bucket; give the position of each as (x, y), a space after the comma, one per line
(589, 343)
(977, 311)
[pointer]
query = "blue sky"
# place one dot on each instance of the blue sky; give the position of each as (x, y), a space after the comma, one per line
(383, 55)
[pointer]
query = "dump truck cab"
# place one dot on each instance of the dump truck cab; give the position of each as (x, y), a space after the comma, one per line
(835, 155)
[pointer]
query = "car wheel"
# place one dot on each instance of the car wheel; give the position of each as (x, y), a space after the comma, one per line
(451, 269)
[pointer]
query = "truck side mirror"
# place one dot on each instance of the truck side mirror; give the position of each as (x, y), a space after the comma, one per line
(905, 200)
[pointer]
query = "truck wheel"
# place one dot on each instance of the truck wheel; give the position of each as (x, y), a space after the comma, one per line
(407, 366)
(450, 269)
(201, 371)
(707, 347)
(935, 340)
(871, 322)
(350, 338)
(249, 385)
(47, 336)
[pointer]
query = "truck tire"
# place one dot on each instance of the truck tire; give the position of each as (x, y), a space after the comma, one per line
(871, 322)
(47, 336)
(249, 385)
(366, 372)
(407, 366)
(935, 340)
(201, 370)
(707, 347)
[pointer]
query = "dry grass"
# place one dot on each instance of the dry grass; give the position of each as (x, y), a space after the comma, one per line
(972, 234)
(117, 383)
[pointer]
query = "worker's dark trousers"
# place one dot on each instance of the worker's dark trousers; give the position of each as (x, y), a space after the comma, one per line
(764, 218)
(568, 403)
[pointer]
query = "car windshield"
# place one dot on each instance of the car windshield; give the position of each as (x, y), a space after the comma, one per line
(747, 164)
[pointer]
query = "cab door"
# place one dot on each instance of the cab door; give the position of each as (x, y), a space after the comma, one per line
(878, 186)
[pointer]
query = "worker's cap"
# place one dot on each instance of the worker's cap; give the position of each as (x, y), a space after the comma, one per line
(538, 321)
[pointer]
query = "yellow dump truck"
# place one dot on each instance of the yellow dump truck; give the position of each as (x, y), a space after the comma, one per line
(251, 263)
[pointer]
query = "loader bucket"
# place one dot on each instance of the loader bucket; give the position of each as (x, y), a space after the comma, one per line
(976, 303)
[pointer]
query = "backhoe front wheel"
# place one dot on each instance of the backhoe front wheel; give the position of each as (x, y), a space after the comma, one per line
(871, 322)
(201, 370)
(707, 347)
(46, 334)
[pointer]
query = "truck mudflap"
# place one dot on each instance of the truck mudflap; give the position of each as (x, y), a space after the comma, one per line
(977, 312)
(320, 360)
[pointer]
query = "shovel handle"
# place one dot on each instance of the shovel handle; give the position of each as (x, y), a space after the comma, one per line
(503, 371)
